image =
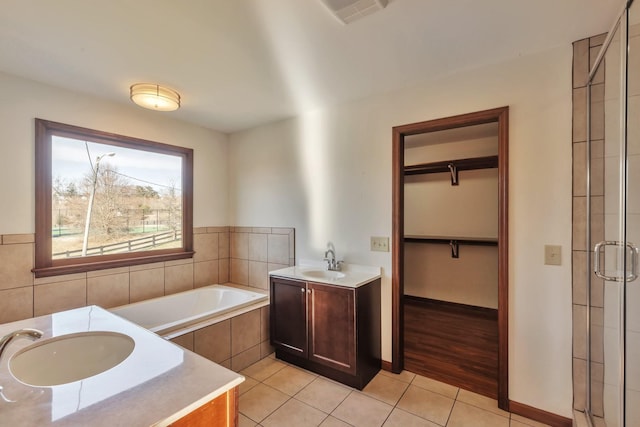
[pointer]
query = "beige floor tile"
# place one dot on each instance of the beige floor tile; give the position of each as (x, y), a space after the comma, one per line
(387, 389)
(426, 404)
(465, 415)
(263, 369)
(400, 418)
(436, 386)
(404, 376)
(333, 422)
(527, 421)
(259, 402)
(245, 422)
(323, 394)
(290, 380)
(514, 423)
(481, 402)
(294, 414)
(248, 384)
(361, 410)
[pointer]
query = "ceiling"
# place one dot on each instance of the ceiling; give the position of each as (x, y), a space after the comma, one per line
(242, 63)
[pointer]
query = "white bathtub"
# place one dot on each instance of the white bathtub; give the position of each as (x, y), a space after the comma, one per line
(173, 315)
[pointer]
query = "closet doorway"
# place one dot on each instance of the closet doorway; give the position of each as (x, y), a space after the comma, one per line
(449, 251)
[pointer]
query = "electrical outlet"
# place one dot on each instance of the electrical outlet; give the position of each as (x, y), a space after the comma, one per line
(380, 244)
(552, 255)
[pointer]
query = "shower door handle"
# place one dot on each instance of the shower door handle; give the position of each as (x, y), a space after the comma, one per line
(598, 249)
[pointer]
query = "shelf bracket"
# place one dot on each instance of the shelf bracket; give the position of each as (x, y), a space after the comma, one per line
(455, 249)
(454, 174)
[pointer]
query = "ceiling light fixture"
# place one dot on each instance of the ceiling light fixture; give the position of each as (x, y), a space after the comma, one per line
(155, 97)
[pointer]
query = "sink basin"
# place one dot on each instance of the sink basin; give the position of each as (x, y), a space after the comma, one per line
(323, 274)
(70, 358)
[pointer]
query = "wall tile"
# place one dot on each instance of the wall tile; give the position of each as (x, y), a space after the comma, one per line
(223, 270)
(206, 247)
(258, 275)
(239, 271)
(107, 272)
(264, 324)
(580, 62)
(580, 331)
(59, 296)
(579, 383)
(57, 279)
(245, 331)
(214, 342)
(11, 239)
(281, 230)
(579, 114)
(221, 229)
(597, 40)
(108, 291)
(16, 262)
(151, 266)
(199, 230)
(184, 341)
(579, 268)
(146, 284)
(178, 278)
(239, 245)
(272, 267)
(261, 230)
(246, 358)
(593, 55)
(580, 169)
(266, 349)
(579, 223)
(223, 245)
(205, 273)
(278, 248)
(16, 304)
(258, 247)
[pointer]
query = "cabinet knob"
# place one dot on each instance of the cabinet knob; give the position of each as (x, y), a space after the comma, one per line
(308, 291)
(302, 290)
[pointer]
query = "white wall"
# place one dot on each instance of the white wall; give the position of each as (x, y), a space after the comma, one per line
(328, 174)
(24, 100)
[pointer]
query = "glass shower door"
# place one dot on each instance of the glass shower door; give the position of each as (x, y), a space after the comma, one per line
(614, 216)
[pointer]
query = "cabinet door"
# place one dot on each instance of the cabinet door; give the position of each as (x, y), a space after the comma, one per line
(288, 316)
(332, 326)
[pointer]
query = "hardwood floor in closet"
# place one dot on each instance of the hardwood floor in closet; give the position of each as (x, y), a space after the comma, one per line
(452, 343)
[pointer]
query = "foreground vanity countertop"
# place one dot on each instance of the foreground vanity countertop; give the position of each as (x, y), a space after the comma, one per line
(350, 276)
(156, 385)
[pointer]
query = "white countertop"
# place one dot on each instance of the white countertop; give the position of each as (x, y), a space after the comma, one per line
(354, 275)
(157, 384)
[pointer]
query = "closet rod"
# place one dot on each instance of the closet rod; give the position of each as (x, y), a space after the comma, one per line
(488, 162)
(447, 240)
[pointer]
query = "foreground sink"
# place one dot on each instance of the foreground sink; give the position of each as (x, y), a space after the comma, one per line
(323, 274)
(70, 358)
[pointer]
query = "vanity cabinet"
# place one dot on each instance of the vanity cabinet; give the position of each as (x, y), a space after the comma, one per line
(219, 412)
(331, 330)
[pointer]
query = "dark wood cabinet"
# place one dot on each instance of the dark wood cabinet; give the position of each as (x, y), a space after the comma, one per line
(331, 330)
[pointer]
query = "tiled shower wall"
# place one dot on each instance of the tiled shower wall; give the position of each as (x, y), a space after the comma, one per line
(241, 255)
(584, 54)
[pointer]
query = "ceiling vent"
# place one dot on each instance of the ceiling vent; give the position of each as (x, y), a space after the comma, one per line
(348, 11)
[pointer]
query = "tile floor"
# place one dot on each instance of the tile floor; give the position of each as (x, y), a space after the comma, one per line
(278, 394)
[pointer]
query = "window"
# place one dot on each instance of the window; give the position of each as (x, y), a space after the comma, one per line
(106, 200)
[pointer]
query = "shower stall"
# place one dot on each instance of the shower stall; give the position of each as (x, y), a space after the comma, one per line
(613, 231)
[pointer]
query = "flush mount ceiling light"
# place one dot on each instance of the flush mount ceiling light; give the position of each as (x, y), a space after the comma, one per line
(348, 11)
(155, 97)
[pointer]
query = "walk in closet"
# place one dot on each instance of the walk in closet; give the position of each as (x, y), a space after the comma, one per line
(450, 244)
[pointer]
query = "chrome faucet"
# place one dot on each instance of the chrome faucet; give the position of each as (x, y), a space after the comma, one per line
(32, 334)
(333, 265)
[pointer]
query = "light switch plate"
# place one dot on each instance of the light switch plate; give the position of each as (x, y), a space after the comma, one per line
(552, 255)
(380, 244)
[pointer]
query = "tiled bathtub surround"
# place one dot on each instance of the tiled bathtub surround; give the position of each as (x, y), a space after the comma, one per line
(22, 296)
(256, 251)
(234, 343)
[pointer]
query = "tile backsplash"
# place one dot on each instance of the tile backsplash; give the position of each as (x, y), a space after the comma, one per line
(241, 255)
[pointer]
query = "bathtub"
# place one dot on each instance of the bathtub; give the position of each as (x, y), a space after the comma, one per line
(174, 315)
